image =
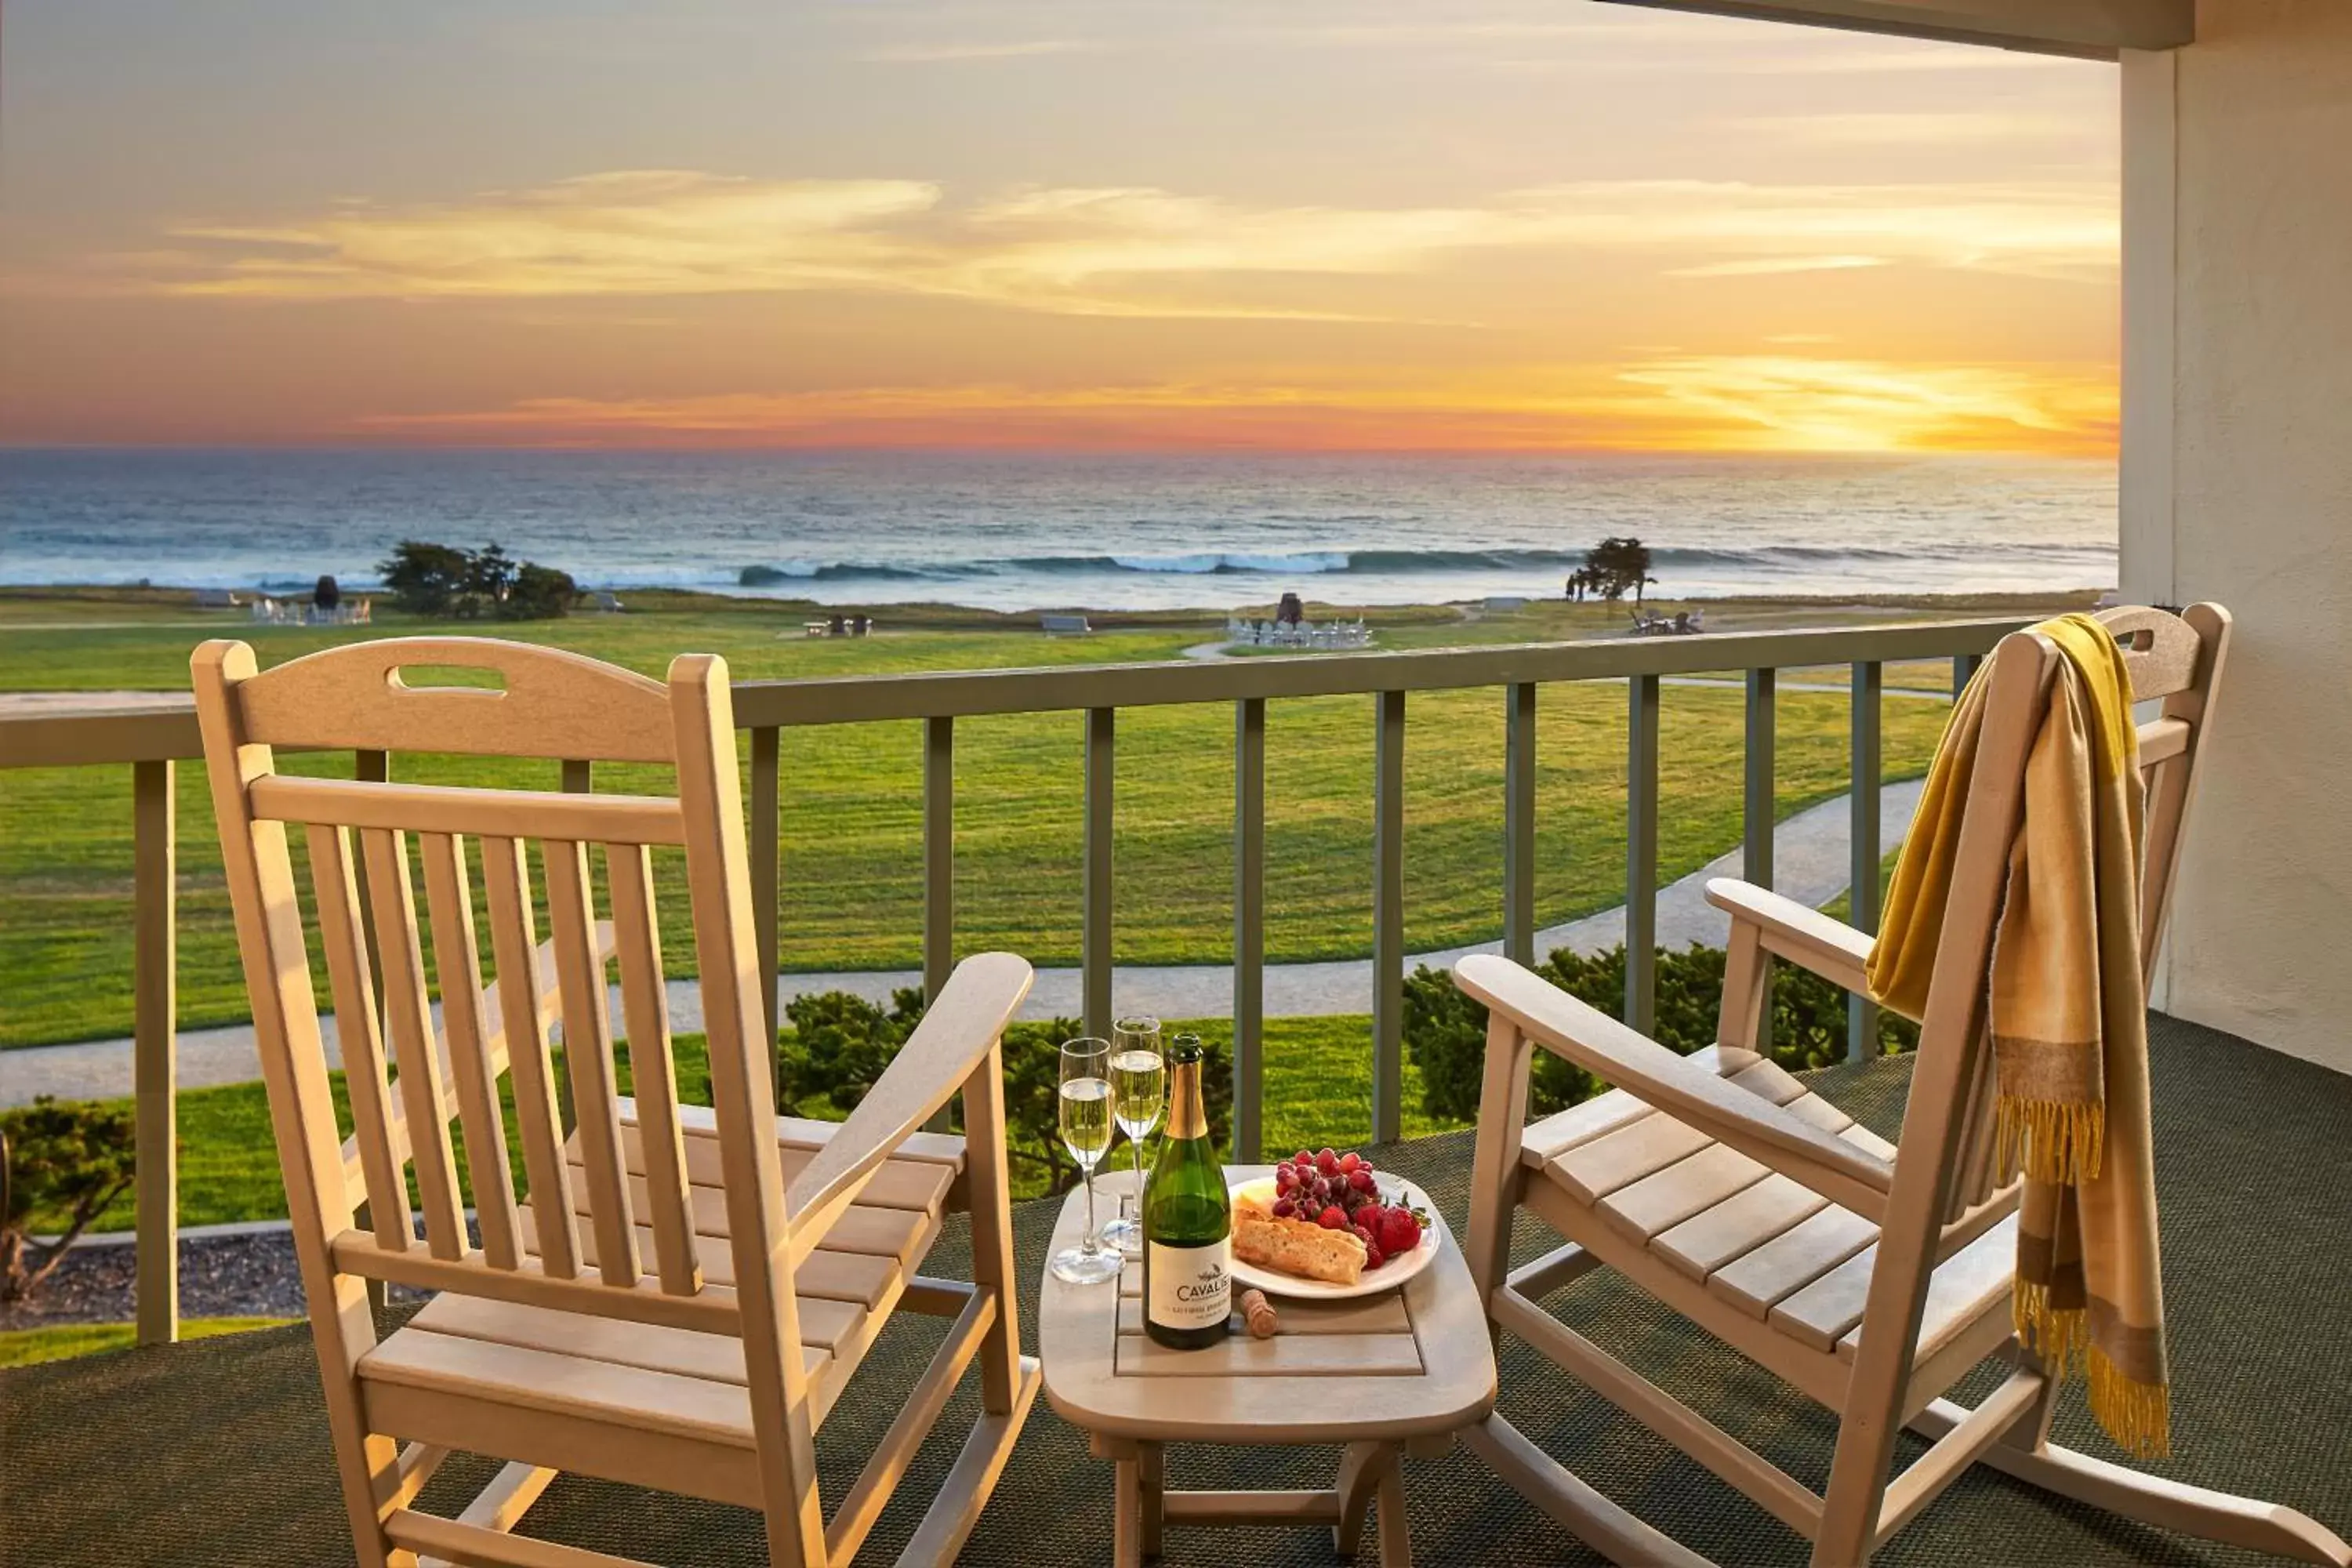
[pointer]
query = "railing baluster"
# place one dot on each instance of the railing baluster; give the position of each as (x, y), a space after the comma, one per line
(766, 849)
(1249, 928)
(579, 777)
(1964, 670)
(939, 867)
(154, 960)
(1861, 1014)
(938, 853)
(1388, 919)
(1095, 942)
(1641, 852)
(1758, 806)
(1519, 822)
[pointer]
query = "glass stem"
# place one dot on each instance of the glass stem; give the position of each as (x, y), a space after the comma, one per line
(1137, 1144)
(1087, 1245)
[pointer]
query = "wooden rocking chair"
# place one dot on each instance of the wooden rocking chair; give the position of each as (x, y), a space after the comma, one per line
(683, 1294)
(1869, 1278)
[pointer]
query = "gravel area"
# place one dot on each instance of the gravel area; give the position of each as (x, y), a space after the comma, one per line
(220, 1276)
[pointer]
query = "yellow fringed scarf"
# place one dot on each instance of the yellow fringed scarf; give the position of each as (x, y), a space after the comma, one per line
(2069, 1024)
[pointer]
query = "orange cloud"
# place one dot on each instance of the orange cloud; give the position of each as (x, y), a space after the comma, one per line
(1120, 251)
(1693, 403)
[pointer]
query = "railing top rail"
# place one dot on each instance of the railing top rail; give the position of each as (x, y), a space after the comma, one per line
(958, 693)
(162, 727)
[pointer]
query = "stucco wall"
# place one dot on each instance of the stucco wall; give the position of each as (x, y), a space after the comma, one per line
(2237, 488)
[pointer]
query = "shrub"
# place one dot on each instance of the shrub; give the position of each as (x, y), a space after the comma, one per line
(73, 1157)
(840, 1044)
(1447, 1031)
(427, 579)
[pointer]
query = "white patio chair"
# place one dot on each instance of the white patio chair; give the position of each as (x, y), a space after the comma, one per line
(1871, 1277)
(681, 1296)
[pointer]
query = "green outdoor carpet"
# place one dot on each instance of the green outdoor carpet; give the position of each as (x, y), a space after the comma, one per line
(216, 1453)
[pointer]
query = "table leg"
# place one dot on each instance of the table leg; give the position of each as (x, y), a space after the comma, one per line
(1359, 1472)
(1396, 1536)
(1127, 1515)
(1151, 1467)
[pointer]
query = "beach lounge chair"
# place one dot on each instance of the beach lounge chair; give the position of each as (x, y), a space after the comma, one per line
(678, 1296)
(1871, 1277)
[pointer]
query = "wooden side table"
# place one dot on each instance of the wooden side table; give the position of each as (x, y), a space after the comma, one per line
(1383, 1377)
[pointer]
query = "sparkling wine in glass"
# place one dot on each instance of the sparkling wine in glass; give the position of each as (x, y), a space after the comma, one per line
(1139, 1081)
(1086, 1119)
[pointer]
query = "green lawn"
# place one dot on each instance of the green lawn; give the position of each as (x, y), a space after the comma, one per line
(1317, 1091)
(852, 803)
(25, 1347)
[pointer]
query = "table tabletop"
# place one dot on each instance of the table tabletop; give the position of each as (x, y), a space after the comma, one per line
(1403, 1363)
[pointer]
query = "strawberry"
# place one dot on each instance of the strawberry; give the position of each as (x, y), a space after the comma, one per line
(1364, 1235)
(1332, 1218)
(1398, 1231)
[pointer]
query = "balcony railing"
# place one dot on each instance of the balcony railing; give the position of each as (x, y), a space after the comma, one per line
(152, 736)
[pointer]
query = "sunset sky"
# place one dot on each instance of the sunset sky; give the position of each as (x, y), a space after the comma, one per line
(1310, 225)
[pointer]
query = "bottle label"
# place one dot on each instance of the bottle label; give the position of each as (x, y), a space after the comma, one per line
(1191, 1286)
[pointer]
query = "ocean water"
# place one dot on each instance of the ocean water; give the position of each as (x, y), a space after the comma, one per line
(1026, 530)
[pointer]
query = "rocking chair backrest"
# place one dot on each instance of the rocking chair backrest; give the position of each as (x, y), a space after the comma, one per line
(613, 1234)
(2173, 660)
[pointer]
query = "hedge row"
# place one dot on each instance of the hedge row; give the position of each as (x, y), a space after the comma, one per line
(1447, 1031)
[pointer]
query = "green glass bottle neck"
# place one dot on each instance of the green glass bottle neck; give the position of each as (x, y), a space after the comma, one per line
(1188, 1117)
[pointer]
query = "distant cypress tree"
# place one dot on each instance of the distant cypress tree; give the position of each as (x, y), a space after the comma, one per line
(439, 580)
(1616, 564)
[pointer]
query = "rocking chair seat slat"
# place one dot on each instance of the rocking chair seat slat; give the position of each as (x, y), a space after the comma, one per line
(1738, 1225)
(1562, 1131)
(631, 1398)
(679, 1352)
(1682, 1190)
(1789, 1262)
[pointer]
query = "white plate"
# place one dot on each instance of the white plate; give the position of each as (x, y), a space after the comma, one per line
(1387, 1276)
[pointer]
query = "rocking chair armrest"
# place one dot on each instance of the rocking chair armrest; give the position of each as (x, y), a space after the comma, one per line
(1839, 1171)
(1830, 948)
(959, 1030)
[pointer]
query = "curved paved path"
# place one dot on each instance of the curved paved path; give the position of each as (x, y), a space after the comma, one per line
(1810, 862)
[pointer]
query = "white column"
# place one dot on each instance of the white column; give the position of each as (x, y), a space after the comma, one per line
(2248, 457)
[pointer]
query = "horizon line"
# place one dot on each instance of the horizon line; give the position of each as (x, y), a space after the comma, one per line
(1199, 449)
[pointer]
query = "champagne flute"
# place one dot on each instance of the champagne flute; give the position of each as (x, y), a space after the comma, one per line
(1086, 1111)
(1138, 1077)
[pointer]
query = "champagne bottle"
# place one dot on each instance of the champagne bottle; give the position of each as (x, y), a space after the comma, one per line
(1188, 1226)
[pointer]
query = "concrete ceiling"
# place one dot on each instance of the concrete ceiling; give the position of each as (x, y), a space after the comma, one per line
(2090, 29)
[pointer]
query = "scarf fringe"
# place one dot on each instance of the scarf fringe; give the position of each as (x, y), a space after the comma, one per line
(2137, 1415)
(2053, 1141)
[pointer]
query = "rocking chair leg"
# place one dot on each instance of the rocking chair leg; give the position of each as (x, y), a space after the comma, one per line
(2151, 1499)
